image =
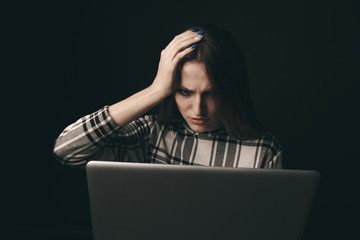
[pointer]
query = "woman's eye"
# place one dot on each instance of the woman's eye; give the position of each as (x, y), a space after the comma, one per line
(209, 94)
(184, 92)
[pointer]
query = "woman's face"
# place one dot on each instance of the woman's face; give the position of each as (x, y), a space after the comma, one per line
(195, 100)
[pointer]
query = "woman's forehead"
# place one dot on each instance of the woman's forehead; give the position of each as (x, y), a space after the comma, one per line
(193, 75)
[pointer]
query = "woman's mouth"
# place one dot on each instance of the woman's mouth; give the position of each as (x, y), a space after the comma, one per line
(198, 121)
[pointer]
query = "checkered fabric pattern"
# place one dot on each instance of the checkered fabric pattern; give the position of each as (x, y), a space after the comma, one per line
(97, 136)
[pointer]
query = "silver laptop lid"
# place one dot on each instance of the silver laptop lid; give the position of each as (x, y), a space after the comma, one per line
(153, 201)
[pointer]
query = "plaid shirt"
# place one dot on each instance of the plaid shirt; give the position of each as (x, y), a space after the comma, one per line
(97, 136)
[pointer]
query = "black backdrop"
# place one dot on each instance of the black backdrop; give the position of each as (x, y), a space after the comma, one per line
(64, 59)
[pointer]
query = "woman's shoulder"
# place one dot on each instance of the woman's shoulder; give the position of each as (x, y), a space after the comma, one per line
(265, 140)
(268, 140)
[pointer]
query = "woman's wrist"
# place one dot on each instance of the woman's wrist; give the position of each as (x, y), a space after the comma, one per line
(159, 90)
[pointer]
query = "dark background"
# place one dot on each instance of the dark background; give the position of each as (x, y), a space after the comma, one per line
(64, 59)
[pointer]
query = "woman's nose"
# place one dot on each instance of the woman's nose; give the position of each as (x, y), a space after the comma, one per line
(199, 106)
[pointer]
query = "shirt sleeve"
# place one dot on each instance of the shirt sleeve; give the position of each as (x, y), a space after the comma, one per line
(97, 136)
(272, 156)
(276, 162)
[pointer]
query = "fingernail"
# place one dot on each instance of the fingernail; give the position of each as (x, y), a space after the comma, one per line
(200, 32)
(198, 37)
(193, 46)
(194, 29)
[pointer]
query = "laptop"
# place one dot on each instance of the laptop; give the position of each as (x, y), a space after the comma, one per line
(156, 201)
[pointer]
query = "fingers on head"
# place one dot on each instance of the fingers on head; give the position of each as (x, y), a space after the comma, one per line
(185, 43)
(185, 37)
(181, 44)
(180, 55)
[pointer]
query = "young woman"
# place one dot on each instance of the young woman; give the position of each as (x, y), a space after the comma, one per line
(205, 117)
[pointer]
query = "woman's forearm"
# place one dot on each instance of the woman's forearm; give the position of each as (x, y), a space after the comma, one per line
(136, 105)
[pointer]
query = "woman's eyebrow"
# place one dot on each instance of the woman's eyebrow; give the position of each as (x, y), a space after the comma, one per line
(185, 88)
(189, 90)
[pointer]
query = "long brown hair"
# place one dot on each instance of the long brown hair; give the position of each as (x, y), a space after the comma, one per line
(227, 72)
